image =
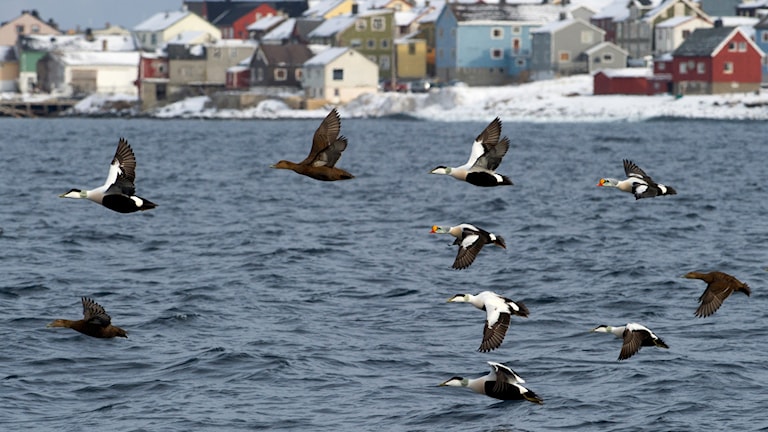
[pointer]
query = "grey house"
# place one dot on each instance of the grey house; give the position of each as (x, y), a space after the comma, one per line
(559, 48)
(606, 55)
(279, 65)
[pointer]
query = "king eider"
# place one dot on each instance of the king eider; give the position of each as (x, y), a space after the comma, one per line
(638, 183)
(95, 322)
(327, 147)
(501, 383)
(498, 311)
(484, 158)
(719, 286)
(470, 240)
(118, 191)
(634, 336)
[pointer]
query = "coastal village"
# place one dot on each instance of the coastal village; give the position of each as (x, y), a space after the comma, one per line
(310, 54)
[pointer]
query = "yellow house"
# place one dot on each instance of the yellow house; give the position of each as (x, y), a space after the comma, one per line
(162, 27)
(411, 58)
(330, 8)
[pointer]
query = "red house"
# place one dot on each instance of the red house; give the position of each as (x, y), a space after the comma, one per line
(238, 78)
(233, 22)
(152, 80)
(717, 60)
(628, 81)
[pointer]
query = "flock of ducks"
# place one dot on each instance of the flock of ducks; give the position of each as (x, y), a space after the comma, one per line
(488, 149)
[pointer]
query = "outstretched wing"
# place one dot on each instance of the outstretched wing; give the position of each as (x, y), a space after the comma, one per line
(633, 340)
(331, 154)
(123, 164)
(494, 331)
(94, 314)
(326, 133)
(489, 137)
(121, 186)
(632, 170)
(469, 246)
(492, 156)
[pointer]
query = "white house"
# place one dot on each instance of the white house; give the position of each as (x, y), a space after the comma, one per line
(157, 30)
(339, 75)
(73, 73)
(670, 33)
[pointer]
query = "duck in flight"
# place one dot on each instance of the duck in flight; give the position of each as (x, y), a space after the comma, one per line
(498, 311)
(501, 383)
(95, 322)
(485, 157)
(638, 183)
(719, 287)
(327, 147)
(470, 240)
(118, 191)
(634, 336)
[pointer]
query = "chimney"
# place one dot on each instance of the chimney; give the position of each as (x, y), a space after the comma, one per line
(718, 23)
(563, 16)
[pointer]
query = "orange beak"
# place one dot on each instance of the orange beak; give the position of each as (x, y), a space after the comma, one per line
(434, 229)
(600, 183)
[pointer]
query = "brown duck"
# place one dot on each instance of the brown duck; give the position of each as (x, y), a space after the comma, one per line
(95, 322)
(719, 286)
(327, 147)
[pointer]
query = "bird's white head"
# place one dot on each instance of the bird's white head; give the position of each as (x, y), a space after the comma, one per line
(441, 170)
(608, 182)
(455, 382)
(459, 298)
(601, 329)
(75, 193)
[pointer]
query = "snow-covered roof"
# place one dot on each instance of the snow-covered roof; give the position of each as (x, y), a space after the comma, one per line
(327, 56)
(161, 21)
(437, 7)
(603, 45)
(554, 26)
(266, 23)
(405, 18)
(332, 26)
(80, 43)
(739, 21)
(238, 68)
(627, 72)
(466, 14)
(97, 58)
(282, 31)
(616, 11)
(322, 7)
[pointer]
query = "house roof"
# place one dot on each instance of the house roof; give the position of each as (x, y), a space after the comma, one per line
(290, 54)
(666, 4)
(616, 11)
(603, 45)
(332, 26)
(282, 31)
(466, 13)
(322, 7)
(233, 13)
(161, 21)
(79, 43)
(327, 56)
(639, 72)
(266, 23)
(704, 42)
(436, 7)
(555, 26)
(97, 58)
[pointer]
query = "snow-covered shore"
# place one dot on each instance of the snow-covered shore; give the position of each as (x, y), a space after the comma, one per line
(562, 100)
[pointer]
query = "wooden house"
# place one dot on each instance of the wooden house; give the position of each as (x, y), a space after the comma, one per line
(627, 81)
(28, 23)
(338, 75)
(411, 57)
(717, 60)
(278, 65)
(559, 48)
(152, 83)
(235, 19)
(80, 73)
(162, 27)
(238, 78)
(606, 55)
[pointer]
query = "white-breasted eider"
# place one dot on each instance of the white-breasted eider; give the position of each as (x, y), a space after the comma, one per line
(327, 147)
(118, 191)
(634, 336)
(498, 311)
(485, 157)
(719, 286)
(470, 240)
(638, 183)
(501, 383)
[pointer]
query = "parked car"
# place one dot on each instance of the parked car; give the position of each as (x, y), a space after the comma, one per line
(400, 86)
(421, 86)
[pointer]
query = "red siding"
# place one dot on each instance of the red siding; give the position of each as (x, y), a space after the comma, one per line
(605, 85)
(746, 64)
(692, 69)
(239, 29)
(239, 80)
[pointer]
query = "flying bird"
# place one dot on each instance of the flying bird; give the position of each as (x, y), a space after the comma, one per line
(498, 311)
(638, 183)
(95, 322)
(485, 157)
(327, 147)
(501, 383)
(470, 240)
(634, 336)
(719, 286)
(118, 191)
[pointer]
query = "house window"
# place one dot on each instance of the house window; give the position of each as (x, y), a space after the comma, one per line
(161, 68)
(411, 48)
(371, 43)
(497, 54)
(683, 67)
(686, 33)
(520, 62)
(377, 24)
(360, 25)
(338, 74)
(298, 74)
(260, 74)
(153, 39)
(384, 63)
(384, 43)
(35, 28)
(355, 43)
(564, 56)
(731, 46)
(662, 65)
(497, 33)
(764, 36)
(700, 67)
(608, 58)
(516, 45)
(586, 37)
(281, 74)
(728, 67)
(160, 92)
(20, 28)
(742, 47)
(516, 30)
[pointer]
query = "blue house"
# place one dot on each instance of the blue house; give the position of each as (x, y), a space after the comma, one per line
(488, 44)
(761, 39)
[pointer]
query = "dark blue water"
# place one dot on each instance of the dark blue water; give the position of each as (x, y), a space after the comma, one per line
(260, 299)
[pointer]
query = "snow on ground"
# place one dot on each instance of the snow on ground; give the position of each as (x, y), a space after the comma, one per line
(566, 99)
